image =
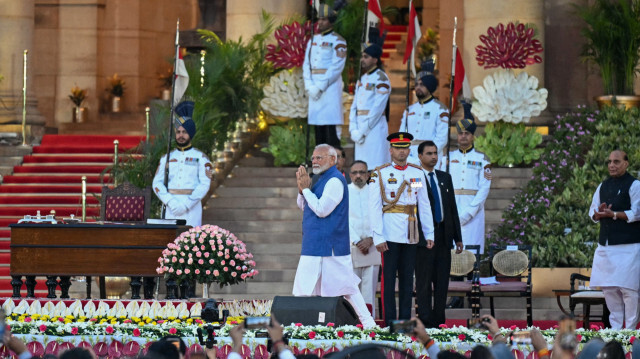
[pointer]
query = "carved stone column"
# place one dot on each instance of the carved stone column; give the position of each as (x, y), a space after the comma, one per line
(243, 16)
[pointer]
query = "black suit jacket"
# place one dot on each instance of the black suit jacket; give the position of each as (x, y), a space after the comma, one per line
(451, 222)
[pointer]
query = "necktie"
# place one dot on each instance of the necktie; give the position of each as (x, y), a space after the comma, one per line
(436, 199)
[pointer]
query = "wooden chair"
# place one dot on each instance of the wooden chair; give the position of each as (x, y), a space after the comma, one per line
(461, 265)
(512, 268)
(130, 204)
(587, 298)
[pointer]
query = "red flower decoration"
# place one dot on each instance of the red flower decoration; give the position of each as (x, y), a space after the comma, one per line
(462, 337)
(109, 330)
(372, 334)
(489, 336)
(632, 339)
(512, 47)
(61, 320)
(298, 324)
(42, 327)
(27, 319)
(340, 334)
(331, 324)
(443, 326)
(579, 337)
(312, 335)
(173, 331)
(136, 332)
(513, 327)
(595, 327)
(291, 45)
(359, 326)
(74, 330)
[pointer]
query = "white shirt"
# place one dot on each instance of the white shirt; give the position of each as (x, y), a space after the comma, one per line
(331, 196)
(359, 224)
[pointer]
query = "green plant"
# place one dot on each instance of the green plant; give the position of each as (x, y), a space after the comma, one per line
(428, 44)
(116, 85)
(287, 142)
(77, 95)
(521, 141)
(612, 39)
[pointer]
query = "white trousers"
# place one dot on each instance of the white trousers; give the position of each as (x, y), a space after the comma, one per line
(623, 305)
(368, 283)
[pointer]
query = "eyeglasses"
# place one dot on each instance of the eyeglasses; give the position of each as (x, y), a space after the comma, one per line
(317, 158)
(359, 172)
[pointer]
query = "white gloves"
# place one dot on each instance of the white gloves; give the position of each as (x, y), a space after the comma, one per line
(314, 92)
(465, 217)
(357, 137)
(177, 207)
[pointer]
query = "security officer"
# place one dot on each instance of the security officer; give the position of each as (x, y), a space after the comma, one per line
(367, 122)
(398, 192)
(470, 171)
(322, 73)
(427, 119)
(189, 172)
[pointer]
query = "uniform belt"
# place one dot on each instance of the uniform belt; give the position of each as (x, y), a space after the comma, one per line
(362, 112)
(471, 192)
(398, 208)
(180, 191)
(318, 71)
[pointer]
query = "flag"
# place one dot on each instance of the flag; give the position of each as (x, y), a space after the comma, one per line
(376, 11)
(413, 37)
(460, 82)
(182, 77)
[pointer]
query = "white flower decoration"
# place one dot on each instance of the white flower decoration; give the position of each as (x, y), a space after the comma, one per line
(285, 96)
(510, 98)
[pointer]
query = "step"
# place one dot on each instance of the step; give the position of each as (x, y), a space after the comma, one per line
(15, 151)
(228, 214)
(508, 182)
(497, 204)
(257, 182)
(248, 202)
(503, 172)
(53, 178)
(270, 192)
(256, 162)
(66, 169)
(294, 237)
(261, 290)
(275, 248)
(52, 198)
(67, 158)
(47, 188)
(10, 160)
(272, 261)
(261, 226)
(286, 172)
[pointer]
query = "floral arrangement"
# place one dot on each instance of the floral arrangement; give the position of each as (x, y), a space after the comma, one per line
(207, 254)
(288, 52)
(285, 96)
(510, 47)
(77, 95)
(116, 85)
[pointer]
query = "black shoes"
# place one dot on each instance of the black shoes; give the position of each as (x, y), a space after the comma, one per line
(455, 302)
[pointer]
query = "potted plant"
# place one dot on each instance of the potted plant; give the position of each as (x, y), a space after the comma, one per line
(77, 96)
(612, 39)
(116, 90)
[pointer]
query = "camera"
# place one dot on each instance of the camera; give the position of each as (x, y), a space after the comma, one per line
(478, 323)
(257, 322)
(403, 326)
(520, 338)
(211, 336)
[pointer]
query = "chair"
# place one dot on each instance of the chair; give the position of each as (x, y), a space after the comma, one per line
(461, 265)
(512, 268)
(130, 204)
(587, 298)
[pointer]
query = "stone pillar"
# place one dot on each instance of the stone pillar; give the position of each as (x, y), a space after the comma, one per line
(16, 35)
(243, 16)
(479, 15)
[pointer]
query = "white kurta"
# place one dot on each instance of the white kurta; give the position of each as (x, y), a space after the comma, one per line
(322, 71)
(426, 121)
(367, 122)
(472, 188)
(324, 276)
(360, 226)
(187, 171)
(394, 227)
(617, 265)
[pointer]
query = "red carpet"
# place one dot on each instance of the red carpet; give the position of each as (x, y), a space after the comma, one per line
(50, 178)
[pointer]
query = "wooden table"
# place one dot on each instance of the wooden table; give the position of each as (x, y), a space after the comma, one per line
(86, 250)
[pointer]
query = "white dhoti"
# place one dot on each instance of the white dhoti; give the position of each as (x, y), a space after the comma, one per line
(368, 285)
(331, 277)
(616, 269)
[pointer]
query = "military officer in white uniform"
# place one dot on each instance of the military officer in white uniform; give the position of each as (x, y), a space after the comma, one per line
(471, 173)
(322, 73)
(427, 119)
(398, 193)
(189, 172)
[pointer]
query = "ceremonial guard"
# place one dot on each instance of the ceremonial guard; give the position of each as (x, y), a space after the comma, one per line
(322, 73)
(189, 172)
(471, 173)
(427, 119)
(367, 122)
(398, 194)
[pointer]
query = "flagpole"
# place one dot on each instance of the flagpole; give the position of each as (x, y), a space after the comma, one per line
(451, 84)
(308, 131)
(172, 104)
(363, 39)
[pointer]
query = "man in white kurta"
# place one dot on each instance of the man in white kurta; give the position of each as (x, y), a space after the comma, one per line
(616, 265)
(325, 266)
(366, 259)
(470, 171)
(427, 119)
(189, 173)
(367, 122)
(322, 73)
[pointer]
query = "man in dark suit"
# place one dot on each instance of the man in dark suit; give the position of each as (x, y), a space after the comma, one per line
(433, 259)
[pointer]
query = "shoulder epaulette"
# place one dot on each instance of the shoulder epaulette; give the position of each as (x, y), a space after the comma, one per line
(414, 165)
(382, 166)
(382, 76)
(442, 106)
(339, 37)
